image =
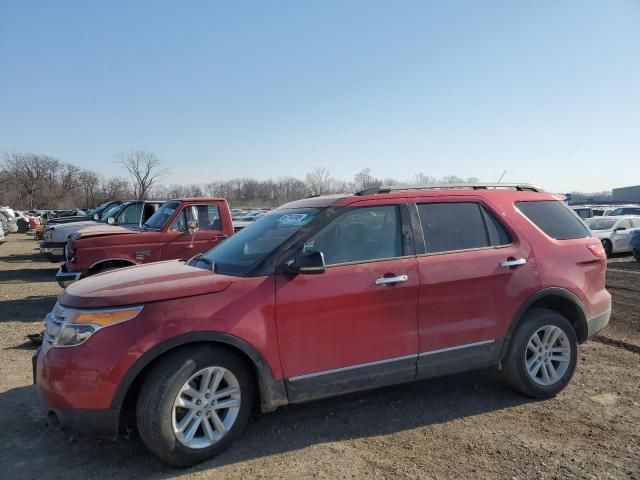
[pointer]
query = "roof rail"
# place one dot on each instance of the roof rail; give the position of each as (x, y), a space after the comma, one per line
(442, 186)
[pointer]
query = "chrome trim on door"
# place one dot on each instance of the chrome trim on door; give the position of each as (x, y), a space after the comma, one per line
(457, 347)
(350, 367)
(513, 263)
(391, 280)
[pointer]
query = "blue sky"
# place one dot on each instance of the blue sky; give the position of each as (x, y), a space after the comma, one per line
(549, 90)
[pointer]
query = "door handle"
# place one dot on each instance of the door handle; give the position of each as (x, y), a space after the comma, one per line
(391, 280)
(516, 262)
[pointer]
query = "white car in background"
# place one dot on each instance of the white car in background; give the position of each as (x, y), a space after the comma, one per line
(614, 231)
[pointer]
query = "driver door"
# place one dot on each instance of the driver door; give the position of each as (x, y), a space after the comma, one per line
(184, 244)
(355, 325)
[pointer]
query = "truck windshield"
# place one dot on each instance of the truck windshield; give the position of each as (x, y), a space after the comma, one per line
(243, 251)
(158, 219)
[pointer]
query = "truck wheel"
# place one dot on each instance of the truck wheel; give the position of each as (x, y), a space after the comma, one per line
(194, 404)
(542, 355)
(608, 247)
(636, 254)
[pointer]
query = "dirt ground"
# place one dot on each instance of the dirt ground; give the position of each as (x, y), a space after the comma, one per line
(463, 426)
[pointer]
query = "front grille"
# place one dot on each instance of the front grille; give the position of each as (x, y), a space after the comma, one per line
(53, 323)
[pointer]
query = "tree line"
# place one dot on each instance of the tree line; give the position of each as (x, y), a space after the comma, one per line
(29, 181)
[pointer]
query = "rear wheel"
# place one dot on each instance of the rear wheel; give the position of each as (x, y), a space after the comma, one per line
(542, 355)
(608, 247)
(194, 404)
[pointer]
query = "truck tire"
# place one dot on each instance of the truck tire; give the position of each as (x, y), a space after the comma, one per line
(542, 355)
(194, 404)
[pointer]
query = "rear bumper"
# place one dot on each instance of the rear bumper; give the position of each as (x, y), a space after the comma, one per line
(597, 323)
(53, 250)
(65, 278)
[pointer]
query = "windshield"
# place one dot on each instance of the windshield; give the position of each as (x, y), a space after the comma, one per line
(246, 249)
(110, 212)
(601, 224)
(158, 219)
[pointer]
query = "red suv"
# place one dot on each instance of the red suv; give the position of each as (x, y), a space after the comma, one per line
(325, 296)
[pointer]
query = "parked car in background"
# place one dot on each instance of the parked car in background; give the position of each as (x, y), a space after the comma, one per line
(321, 297)
(583, 212)
(614, 232)
(634, 243)
(179, 229)
(89, 215)
(9, 222)
(133, 213)
(626, 210)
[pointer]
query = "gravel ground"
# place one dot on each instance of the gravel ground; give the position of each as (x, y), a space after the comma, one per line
(463, 426)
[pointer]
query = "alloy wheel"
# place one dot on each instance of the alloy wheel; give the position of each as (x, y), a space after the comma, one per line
(206, 407)
(548, 355)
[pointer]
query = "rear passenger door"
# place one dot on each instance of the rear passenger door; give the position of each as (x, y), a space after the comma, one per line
(474, 275)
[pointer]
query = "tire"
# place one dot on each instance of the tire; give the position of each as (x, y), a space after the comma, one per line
(538, 322)
(636, 254)
(23, 226)
(608, 247)
(158, 418)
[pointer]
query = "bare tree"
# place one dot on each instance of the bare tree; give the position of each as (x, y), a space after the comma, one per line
(32, 173)
(144, 168)
(320, 181)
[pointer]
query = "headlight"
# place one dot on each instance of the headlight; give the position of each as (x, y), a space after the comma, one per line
(67, 327)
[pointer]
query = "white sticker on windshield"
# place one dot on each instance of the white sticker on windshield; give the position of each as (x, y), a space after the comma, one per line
(294, 219)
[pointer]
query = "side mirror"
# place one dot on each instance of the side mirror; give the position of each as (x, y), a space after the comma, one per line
(96, 216)
(310, 263)
(111, 220)
(192, 226)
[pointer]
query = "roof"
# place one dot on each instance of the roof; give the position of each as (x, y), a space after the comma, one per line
(199, 199)
(399, 191)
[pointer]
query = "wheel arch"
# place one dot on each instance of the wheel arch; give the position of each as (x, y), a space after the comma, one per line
(120, 262)
(558, 299)
(272, 392)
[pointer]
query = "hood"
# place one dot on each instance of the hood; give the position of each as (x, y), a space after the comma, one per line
(143, 284)
(101, 229)
(61, 231)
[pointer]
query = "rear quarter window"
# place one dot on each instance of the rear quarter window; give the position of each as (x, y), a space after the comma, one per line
(555, 219)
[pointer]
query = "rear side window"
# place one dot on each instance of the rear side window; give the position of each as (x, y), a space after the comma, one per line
(459, 226)
(555, 219)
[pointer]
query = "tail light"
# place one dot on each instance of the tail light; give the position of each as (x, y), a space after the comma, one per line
(598, 250)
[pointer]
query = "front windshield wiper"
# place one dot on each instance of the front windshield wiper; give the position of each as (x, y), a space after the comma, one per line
(199, 258)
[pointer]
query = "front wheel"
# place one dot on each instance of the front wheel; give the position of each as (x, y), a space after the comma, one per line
(636, 254)
(608, 247)
(542, 355)
(194, 404)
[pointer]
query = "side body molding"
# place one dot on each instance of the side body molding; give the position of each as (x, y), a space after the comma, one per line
(272, 392)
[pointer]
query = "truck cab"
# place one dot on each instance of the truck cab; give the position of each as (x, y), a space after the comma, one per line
(180, 229)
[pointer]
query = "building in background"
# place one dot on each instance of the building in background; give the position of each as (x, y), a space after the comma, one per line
(626, 194)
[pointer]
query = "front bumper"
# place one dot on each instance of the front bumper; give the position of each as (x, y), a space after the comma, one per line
(53, 250)
(597, 323)
(65, 278)
(103, 422)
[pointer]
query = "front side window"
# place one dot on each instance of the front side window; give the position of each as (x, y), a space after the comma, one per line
(361, 234)
(624, 224)
(456, 226)
(110, 212)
